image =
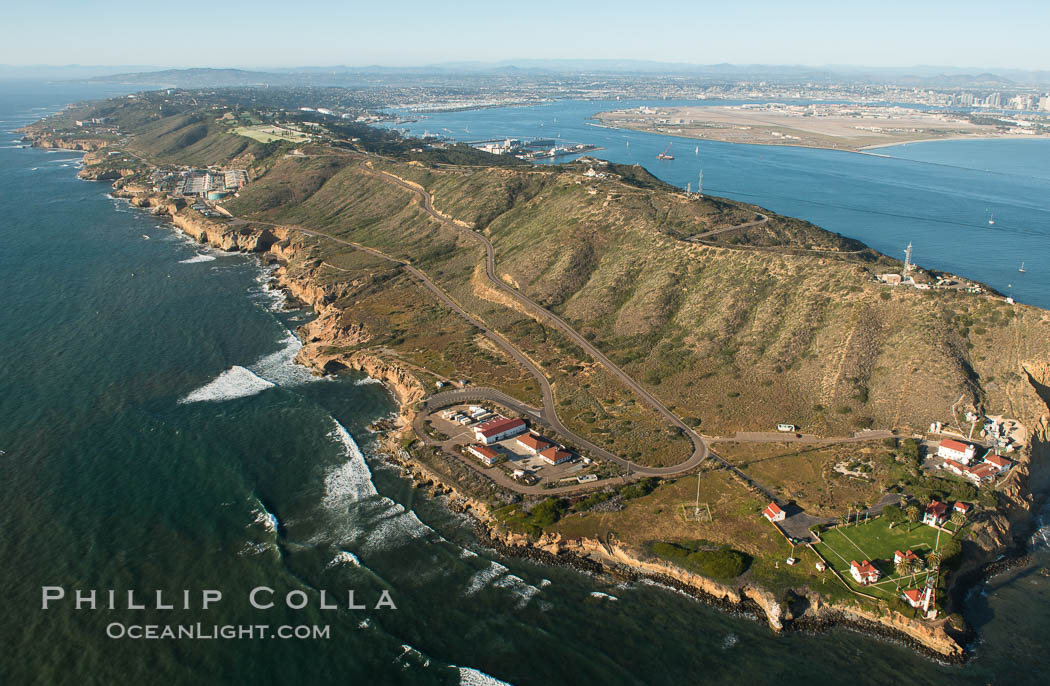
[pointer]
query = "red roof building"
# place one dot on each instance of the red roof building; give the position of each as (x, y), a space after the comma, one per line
(498, 429)
(484, 453)
(960, 506)
(908, 555)
(998, 461)
(913, 597)
(532, 443)
(554, 455)
(956, 450)
(773, 513)
(864, 572)
(936, 513)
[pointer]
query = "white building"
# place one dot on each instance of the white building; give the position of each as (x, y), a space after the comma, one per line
(956, 450)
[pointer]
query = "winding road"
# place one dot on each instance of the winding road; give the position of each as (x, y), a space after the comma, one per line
(700, 449)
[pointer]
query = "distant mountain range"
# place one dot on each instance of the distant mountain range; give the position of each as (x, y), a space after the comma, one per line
(920, 75)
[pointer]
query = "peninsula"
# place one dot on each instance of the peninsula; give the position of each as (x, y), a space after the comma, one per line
(732, 402)
(852, 126)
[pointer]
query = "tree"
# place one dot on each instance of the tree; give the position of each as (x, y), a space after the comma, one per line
(933, 559)
(912, 513)
(958, 518)
(902, 571)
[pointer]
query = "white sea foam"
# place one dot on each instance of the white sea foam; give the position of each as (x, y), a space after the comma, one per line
(519, 587)
(276, 369)
(604, 596)
(730, 641)
(235, 382)
(351, 481)
(368, 380)
(279, 367)
(197, 258)
(483, 577)
(473, 677)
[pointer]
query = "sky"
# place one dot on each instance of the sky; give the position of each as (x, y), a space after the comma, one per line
(265, 33)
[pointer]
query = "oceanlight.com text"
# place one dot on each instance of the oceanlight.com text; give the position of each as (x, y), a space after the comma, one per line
(212, 632)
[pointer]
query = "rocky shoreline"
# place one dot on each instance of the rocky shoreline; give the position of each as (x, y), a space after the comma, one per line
(326, 333)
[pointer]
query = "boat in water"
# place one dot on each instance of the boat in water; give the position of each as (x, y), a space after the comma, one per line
(1021, 268)
(664, 155)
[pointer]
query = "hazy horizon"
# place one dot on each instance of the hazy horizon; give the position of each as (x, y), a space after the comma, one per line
(267, 34)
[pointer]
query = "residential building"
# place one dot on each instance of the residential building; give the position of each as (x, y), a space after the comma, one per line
(908, 556)
(936, 513)
(773, 513)
(484, 453)
(956, 450)
(962, 507)
(498, 429)
(864, 572)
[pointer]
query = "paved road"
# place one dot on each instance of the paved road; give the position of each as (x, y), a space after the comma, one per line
(700, 450)
(777, 437)
(747, 225)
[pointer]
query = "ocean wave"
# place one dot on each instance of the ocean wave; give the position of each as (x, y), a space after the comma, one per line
(368, 380)
(235, 382)
(351, 481)
(484, 577)
(603, 596)
(275, 369)
(519, 587)
(473, 677)
(280, 368)
(197, 258)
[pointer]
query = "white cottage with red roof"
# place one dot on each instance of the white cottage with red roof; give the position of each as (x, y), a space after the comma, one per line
(908, 555)
(864, 572)
(915, 597)
(936, 513)
(773, 513)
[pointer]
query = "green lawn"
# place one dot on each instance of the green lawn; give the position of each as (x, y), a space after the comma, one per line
(876, 542)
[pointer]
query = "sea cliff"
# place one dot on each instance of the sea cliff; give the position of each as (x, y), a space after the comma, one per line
(332, 343)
